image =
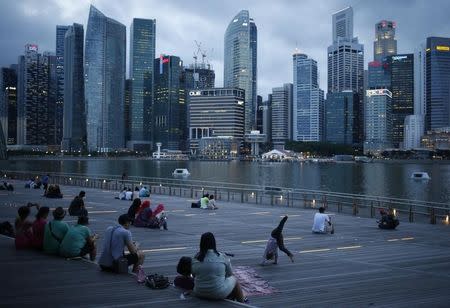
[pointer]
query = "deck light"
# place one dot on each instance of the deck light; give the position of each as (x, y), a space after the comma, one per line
(87, 180)
(253, 194)
(447, 219)
(140, 183)
(160, 185)
(70, 179)
(314, 202)
(281, 198)
(395, 212)
(104, 181)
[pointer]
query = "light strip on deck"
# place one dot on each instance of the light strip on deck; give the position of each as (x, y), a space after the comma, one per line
(393, 240)
(295, 215)
(175, 211)
(188, 215)
(407, 238)
(349, 247)
(263, 241)
(314, 250)
(164, 249)
(259, 213)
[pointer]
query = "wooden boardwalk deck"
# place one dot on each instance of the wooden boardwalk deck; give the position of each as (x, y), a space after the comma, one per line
(358, 266)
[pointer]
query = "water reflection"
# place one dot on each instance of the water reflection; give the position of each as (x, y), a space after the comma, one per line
(390, 179)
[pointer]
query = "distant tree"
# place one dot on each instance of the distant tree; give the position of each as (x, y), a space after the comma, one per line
(320, 148)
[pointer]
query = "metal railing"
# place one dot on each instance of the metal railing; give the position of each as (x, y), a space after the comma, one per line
(353, 204)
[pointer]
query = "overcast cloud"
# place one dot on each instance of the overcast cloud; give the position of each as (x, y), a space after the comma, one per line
(282, 25)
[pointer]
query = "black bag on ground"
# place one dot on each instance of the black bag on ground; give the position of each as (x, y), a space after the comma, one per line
(195, 205)
(120, 266)
(156, 281)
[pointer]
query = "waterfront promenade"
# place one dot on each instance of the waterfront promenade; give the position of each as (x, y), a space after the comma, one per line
(359, 266)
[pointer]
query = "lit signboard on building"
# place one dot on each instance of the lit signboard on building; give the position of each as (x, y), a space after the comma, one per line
(398, 58)
(195, 93)
(378, 92)
(32, 47)
(442, 48)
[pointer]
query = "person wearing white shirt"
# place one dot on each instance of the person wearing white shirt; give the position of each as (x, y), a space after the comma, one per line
(322, 223)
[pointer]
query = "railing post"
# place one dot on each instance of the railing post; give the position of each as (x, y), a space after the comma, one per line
(192, 192)
(372, 211)
(242, 197)
(432, 216)
(355, 208)
(339, 205)
(228, 194)
(304, 201)
(411, 214)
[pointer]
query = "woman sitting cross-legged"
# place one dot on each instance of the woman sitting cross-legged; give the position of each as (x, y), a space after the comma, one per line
(213, 275)
(151, 219)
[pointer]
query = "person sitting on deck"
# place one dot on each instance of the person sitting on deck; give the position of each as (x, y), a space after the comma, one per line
(39, 227)
(144, 192)
(116, 239)
(55, 231)
(213, 274)
(136, 193)
(122, 194)
(53, 191)
(45, 180)
(77, 207)
(23, 227)
(151, 219)
(212, 203)
(129, 194)
(7, 186)
(79, 241)
(133, 209)
(274, 243)
(184, 280)
(322, 223)
(204, 201)
(388, 220)
(30, 183)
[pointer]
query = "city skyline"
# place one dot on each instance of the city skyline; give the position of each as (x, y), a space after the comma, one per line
(179, 24)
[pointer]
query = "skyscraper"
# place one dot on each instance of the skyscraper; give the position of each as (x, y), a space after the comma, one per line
(308, 102)
(127, 106)
(437, 91)
(142, 55)
(32, 104)
(402, 88)
(59, 103)
(169, 108)
(214, 113)
(104, 69)
(385, 43)
(240, 62)
(281, 115)
(8, 103)
(199, 77)
(54, 113)
(340, 117)
(346, 63)
(378, 121)
(74, 128)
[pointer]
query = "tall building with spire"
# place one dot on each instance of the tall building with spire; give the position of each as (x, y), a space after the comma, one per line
(385, 43)
(240, 62)
(346, 64)
(104, 69)
(142, 55)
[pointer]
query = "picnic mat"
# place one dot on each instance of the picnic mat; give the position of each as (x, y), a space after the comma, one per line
(251, 283)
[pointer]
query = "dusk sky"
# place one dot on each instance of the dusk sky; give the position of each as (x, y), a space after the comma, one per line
(282, 25)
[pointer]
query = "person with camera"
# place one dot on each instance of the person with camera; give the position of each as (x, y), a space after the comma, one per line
(322, 223)
(116, 239)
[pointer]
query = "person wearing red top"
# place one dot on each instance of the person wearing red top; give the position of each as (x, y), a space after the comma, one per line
(38, 227)
(24, 231)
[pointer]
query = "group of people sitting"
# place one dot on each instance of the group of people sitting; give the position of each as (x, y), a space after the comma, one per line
(206, 202)
(55, 236)
(141, 215)
(6, 186)
(127, 194)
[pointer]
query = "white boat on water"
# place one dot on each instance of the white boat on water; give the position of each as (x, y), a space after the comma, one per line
(363, 159)
(420, 176)
(181, 172)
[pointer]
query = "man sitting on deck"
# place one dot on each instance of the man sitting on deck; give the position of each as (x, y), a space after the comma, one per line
(77, 207)
(322, 223)
(79, 241)
(116, 238)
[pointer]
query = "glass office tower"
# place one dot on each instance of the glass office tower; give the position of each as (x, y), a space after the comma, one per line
(240, 62)
(142, 55)
(104, 70)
